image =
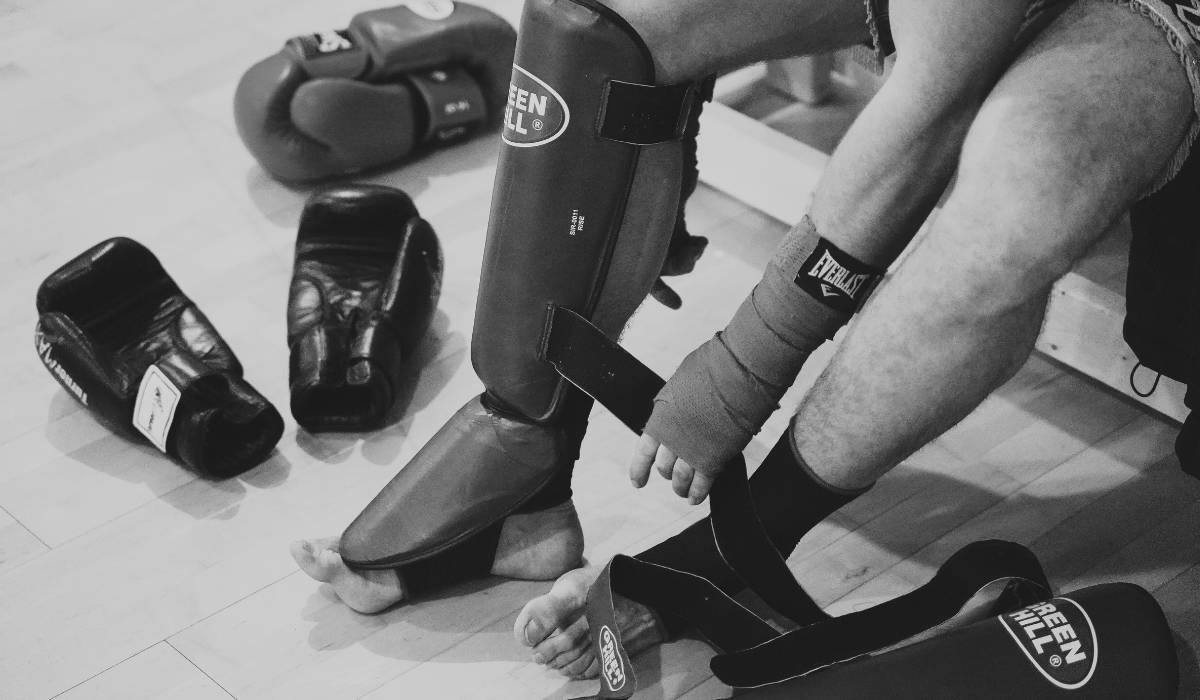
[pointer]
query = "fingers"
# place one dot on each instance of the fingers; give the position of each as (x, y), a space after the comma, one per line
(701, 485)
(665, 295)
(643, 456)
(681, 478)
(664, 462)
(649, 454)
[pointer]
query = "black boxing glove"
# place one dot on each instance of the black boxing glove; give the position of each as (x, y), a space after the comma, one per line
(119, 336)
(366, 280)
(397, 79)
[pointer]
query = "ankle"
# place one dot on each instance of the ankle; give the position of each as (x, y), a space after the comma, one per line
(841, 481)
(540, 545)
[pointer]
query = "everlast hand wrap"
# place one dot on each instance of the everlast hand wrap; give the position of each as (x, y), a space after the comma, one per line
(396, 81)
(588, 192)
(365, 284)
(120, 337)
(726, 389)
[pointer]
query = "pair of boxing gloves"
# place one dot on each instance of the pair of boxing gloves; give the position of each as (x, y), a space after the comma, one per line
(121, 337)
(397, 82)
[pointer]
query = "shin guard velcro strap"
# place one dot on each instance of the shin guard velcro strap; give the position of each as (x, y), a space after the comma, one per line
(726, 389)
(470, 559)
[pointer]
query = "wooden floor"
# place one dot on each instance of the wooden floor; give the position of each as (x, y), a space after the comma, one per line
(123, 576)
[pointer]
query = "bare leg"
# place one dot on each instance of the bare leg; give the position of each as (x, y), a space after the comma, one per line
(897, 157)
(1073, 134)
(880, 183)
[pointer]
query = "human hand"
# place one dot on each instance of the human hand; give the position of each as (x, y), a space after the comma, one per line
(686, 481)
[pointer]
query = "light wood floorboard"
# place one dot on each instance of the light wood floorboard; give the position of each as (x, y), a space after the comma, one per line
(124, 576)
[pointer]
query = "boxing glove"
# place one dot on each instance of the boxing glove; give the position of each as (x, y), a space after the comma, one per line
(397, 81)
(365, 284)
(117, 333)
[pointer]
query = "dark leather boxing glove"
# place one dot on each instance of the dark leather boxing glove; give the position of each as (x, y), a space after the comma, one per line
(396, 80)
(366, 281)
(119, 335)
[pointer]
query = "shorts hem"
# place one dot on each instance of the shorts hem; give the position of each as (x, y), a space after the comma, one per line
(1187, 50)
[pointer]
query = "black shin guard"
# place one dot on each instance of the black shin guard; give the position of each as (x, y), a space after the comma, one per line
(588, 189)
(577, 406)
(851, 656)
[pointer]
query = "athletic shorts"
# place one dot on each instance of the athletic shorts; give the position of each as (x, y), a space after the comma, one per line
(875, 54)
(1179, 21)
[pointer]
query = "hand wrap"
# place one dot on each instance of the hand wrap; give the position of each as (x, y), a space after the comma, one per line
(726, 389)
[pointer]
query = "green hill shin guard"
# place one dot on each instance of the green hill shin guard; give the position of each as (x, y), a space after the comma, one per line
(595, 165)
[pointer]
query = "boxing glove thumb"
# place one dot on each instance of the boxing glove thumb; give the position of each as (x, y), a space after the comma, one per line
(360, 125)
(214, 421)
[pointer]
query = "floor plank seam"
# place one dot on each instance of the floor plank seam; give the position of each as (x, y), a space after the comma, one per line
(231, 604)
(25, 527)
(201, 670)
(106, 669)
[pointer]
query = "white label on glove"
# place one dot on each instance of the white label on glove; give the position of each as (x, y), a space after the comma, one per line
(431, 9)
(155, 407)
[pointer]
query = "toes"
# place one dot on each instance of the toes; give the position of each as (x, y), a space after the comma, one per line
(331, 564)
(535, 621)
(313, 560)
(543, 615)
(592, 670)
(565, 645)
(333, 544)
(578, 667)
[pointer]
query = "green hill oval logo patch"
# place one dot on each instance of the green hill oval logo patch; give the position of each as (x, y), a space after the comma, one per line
(1057, 636)
(535, 114)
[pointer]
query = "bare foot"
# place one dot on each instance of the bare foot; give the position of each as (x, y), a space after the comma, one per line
(365, 591)
(536, 546)
(556, 630)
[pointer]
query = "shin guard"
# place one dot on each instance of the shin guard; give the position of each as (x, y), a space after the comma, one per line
(984, 626)
(587, 197)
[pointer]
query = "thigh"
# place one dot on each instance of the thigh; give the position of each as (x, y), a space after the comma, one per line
(1079, 127)
(690, 38)
(956, 34)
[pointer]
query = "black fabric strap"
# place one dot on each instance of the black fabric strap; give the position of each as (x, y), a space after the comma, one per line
(646, 114)
(724, 622)
(587, 358)
(471, 559)
(969, 571)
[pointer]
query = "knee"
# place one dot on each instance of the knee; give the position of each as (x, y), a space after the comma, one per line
(664, 28)
(942, 95)
(1035, 195)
